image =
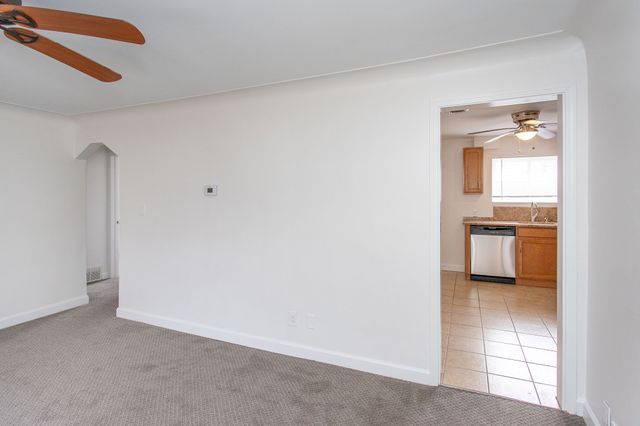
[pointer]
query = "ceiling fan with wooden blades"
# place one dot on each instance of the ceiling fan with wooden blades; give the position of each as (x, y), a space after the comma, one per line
(528, 126)
(18, 23)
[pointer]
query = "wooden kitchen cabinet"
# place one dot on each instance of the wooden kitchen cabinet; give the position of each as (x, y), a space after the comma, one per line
(473, 159)
(536, 252)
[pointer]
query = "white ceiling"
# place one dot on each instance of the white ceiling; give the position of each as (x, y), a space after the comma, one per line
(197, 47)
(485, 116)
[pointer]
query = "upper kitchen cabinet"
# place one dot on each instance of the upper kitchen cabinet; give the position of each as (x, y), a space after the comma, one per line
(473, 170)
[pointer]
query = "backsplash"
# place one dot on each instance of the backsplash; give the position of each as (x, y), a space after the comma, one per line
(523, 214)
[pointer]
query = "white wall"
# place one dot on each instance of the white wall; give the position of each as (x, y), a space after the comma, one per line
(610, 32)
(42, 246)
(456, 204)
(323, 205)
(98, 196)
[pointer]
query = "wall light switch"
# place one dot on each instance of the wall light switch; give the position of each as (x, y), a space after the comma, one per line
(211, 190)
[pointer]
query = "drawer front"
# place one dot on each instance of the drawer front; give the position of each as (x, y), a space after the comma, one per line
(537, 232)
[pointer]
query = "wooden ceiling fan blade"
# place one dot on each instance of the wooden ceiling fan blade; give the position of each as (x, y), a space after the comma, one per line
(75, 23)
(63, 54)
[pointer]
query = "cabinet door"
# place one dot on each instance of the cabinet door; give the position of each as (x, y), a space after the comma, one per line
(537, 258)
(473, 170)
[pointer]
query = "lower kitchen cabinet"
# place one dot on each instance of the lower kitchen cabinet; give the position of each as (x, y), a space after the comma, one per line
(536, 251)
(536, 254)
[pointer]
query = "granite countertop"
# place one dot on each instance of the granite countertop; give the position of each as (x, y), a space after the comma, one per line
(492, 222)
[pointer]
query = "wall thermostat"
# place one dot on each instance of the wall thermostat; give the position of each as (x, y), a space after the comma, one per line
(211, 190)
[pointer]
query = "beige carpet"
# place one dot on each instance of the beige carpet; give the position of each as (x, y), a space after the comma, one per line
(86, 367)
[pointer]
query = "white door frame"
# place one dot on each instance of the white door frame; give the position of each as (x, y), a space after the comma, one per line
(114, 216)
(572, 239)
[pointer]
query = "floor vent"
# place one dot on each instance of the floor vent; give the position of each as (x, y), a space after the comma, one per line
(94, 274)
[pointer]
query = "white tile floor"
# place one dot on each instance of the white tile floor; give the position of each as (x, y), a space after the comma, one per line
(499, 338)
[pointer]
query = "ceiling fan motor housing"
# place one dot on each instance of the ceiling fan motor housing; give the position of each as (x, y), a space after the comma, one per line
(523, 116)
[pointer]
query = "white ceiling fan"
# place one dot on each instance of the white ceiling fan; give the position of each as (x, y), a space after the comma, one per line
(528, 126)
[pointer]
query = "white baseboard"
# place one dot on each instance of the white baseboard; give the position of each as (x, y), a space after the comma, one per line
(589, 416)
(354, 362)
(44, 311)
(453, 268)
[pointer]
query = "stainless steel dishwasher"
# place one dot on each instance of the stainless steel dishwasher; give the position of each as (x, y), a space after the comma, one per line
(493, 253)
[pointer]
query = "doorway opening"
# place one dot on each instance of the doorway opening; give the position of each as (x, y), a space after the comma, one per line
(102, 218)
(500, 197)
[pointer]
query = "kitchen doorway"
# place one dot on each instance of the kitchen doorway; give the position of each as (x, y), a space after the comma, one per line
(501, 191)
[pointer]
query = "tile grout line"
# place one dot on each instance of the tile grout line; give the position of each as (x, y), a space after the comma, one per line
(557, 363)
(503, 357)
(466, 300)
(549, 331)
(444, 351)
(503, 375)
(524, 356)
(484, 346)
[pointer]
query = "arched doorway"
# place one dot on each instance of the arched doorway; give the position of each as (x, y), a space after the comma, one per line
(102, 212)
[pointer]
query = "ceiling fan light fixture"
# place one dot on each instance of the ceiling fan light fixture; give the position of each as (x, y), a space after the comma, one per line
(528, 127)
(526, 135)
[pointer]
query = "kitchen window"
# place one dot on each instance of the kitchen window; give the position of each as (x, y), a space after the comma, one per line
(525, 179)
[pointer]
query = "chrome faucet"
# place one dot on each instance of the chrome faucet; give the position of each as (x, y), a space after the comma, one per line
(534, 211)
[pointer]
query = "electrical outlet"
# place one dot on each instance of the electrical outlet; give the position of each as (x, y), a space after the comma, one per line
(292, 319)
(311, 321)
